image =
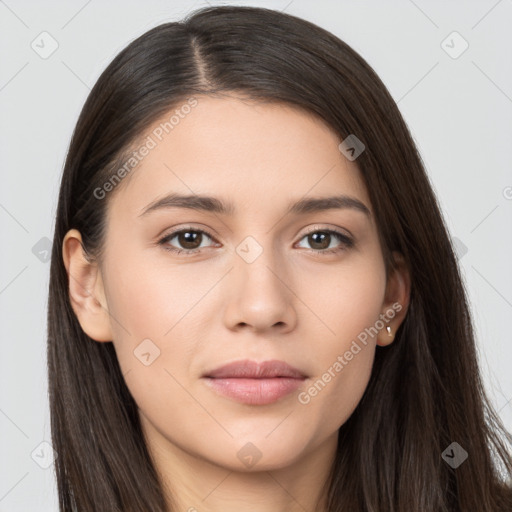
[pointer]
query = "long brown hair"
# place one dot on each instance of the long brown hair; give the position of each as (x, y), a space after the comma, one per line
(425, 391)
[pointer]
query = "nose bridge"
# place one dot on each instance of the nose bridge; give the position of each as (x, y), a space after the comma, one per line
(258, 263)
(262, 297)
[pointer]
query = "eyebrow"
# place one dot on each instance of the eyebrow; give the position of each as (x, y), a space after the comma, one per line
(217, 206)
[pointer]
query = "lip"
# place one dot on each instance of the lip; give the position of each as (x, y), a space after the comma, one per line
(255, 383)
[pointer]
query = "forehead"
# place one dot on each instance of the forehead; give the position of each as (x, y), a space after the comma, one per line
(255, 155)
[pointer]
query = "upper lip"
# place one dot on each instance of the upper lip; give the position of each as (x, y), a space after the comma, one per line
(252, 370)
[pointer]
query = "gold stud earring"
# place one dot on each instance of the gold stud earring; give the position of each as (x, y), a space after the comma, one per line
(388, 328)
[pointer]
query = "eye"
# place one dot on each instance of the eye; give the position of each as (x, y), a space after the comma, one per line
(191, 241)
(189, 238)
(320, 240)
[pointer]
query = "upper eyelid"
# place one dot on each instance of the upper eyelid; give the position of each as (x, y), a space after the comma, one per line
(317, 227)
(175, 232)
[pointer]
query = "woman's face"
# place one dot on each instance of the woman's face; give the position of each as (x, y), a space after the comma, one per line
(261, 281)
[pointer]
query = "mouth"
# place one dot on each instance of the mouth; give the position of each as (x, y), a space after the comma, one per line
(255, 383)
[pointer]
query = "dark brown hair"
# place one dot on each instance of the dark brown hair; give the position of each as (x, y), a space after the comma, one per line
(425, 391)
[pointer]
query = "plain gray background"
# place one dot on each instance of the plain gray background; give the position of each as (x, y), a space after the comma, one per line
(458, 105)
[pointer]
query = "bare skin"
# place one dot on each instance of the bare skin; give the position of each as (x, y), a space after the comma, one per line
(294, 302)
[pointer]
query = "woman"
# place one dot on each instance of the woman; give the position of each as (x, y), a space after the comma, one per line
(254, 301)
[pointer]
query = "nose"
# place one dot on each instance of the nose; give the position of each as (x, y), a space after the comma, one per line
(262, 297)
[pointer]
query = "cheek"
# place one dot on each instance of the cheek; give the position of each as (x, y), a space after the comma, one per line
(154, 342)
(157, 318)
(148, 298)
(348, 298)
(337, 392)
(343, 359)
(343, 370)
(146, 309)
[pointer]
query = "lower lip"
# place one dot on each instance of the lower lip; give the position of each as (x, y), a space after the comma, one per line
(255, 391)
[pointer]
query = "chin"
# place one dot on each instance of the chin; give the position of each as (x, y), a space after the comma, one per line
(257, 455)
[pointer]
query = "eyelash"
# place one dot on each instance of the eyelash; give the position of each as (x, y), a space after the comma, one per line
(346, 242)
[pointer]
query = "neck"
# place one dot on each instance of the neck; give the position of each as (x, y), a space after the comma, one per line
(194, 484)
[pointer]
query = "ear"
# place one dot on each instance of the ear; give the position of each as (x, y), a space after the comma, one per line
(396, 301)
(86, 291)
